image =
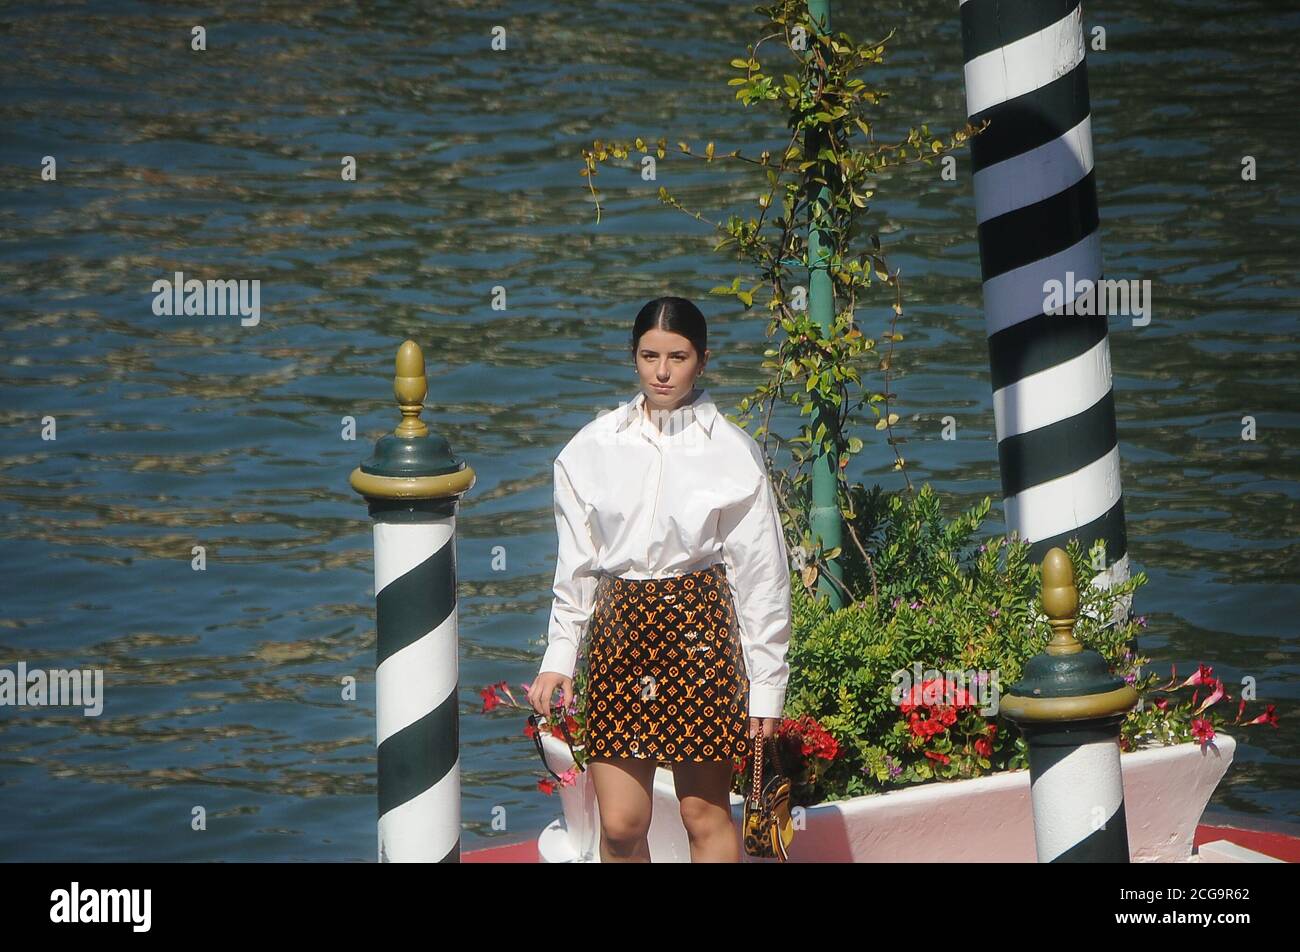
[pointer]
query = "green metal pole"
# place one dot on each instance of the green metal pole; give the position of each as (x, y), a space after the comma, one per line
(824, 519)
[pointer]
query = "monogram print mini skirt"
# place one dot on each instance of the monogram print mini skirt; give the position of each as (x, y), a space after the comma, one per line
(666, 674)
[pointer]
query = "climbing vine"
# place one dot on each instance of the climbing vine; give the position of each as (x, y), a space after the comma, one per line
(826, 174)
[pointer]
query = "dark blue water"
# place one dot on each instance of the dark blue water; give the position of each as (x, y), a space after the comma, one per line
(223, 686)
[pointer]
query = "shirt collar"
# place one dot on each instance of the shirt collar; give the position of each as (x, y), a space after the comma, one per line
(702, 409)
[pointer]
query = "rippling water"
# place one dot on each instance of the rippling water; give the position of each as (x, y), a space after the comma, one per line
(223, 685)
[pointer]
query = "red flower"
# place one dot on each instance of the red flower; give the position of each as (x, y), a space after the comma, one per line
(546, 786)
(1268, 717)
(490, 699)
(984, 747)
(935, 755)
(1203, 731)
(937, 717)
(814, 740)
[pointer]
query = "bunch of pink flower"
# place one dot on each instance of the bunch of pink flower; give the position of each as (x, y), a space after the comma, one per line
(1216, 690)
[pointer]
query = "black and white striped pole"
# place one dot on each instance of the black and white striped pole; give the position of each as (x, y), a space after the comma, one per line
(1036, 209)
(413, 484)
(1070, 707)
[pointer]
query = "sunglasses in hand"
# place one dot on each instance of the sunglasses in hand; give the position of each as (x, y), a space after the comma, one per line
(536, 720)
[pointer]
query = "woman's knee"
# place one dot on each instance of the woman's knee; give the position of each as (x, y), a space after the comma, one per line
(624, 828)
(700, 815)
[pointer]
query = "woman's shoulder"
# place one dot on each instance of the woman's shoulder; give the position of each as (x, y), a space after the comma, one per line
(594, 434)
(737, 441)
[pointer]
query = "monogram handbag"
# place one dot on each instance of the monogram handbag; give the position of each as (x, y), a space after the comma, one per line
(768, 827)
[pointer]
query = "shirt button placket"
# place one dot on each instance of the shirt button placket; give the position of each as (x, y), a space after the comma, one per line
(654, 511)
(654, 508)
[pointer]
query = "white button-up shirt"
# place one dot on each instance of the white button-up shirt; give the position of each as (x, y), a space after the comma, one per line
(640, 502)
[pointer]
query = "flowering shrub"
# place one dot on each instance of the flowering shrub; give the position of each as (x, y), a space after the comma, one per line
(942, 605)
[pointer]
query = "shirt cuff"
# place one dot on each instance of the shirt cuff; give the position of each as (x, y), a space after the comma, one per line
(766, 701)
(561, 657)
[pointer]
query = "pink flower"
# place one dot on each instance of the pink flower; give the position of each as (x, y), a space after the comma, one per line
(1204, 675)
(1203, 731)
(501, 685)
(1213, 698)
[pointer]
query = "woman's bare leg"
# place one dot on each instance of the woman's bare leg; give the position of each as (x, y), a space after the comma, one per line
(704, 792)
(624, 797)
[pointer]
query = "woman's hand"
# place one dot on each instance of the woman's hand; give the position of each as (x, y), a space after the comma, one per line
(543, 689)
(769, 726)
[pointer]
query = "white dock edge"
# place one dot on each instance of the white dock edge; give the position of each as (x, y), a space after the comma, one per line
(1226, 851)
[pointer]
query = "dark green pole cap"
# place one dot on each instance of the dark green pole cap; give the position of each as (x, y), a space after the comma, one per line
(1066, 682)
(411, 462)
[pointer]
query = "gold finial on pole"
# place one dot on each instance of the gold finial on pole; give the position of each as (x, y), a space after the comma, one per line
(1060, 602)
(410, 386)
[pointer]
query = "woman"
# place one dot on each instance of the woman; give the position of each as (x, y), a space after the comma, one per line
(673, 562)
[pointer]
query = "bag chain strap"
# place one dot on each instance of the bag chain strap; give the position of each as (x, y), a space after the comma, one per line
(758, 760)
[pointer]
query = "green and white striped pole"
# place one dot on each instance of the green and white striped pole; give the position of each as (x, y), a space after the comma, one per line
(413, 484)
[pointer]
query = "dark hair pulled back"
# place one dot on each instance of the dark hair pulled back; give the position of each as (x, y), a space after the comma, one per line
(674, 314)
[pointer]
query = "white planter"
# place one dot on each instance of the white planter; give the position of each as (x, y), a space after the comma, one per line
(987, 819)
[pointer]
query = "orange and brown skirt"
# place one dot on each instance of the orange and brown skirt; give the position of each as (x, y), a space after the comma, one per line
(666, 675)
